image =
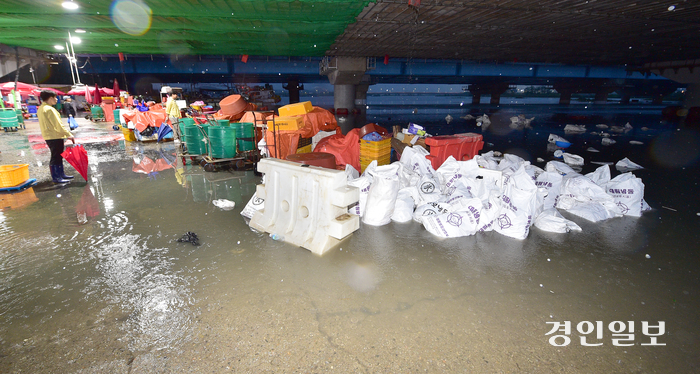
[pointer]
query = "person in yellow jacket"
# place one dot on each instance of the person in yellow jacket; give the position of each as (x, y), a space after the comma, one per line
(54, 133)
(172, 109)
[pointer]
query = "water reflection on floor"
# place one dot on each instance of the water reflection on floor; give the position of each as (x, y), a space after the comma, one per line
(93, 280)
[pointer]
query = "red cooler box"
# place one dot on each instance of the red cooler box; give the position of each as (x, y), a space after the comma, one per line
(460, 146)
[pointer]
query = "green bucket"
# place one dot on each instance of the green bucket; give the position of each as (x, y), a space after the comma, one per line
(97, 112)
(223, 122)
(244, 131)
(193, 139)
(222, 141)
(8, 118)
(116, 116)
(20, 116)
(187, 121)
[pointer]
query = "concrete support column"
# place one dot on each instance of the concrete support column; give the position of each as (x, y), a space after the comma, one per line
(361, 104)
(293, 87)
(601, 97)
(692, 96)
(476, 98)
(344, 103)
(625, 98)
(496, 90)
(344, 73)
(564, 97)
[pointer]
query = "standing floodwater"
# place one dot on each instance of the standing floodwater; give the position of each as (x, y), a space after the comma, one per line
(93, 279)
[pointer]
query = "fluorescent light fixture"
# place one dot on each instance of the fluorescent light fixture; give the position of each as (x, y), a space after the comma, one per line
(79, 31)
(59, 47)
(75, 40)
(70, 5)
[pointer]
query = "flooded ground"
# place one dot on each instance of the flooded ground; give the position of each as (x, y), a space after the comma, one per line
(92, 279)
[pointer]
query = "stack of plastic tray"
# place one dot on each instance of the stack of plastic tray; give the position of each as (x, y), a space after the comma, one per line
(375, 150)
(13, 175)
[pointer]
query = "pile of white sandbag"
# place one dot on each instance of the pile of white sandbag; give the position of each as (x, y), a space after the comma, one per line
(506, 195)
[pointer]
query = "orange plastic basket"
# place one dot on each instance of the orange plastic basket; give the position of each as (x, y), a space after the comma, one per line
(13, 175)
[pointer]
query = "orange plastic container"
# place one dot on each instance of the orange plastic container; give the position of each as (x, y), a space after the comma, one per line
(460, 146)
(13, 175)
(233, 105)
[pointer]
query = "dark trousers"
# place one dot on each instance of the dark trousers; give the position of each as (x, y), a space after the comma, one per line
(56, 146)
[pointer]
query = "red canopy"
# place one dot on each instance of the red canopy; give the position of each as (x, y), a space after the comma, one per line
(58, 92)
(88, 95)
(21, 87)
(98, 97)
(116, 90)
(81, 91)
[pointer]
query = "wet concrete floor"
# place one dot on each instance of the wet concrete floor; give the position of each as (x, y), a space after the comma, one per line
(92, 279)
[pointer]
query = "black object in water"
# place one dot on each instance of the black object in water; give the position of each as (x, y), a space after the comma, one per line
(189, 237)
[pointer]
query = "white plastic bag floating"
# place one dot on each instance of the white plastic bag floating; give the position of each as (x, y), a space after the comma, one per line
(382, 194)
(601, 175)
(448, 171)
(572, 159)
(510, 163)
(533, 171)
(254, 204)
(579, 195)
(487, 160)
(607, 141)
(403, 209)
(414, 159)
(429, 209)
(559, 167)
(462, 222)
(363, 184)
(490, 211)
(592, 211)
(351, 173)
(552, 221)
(224, 204)
(626, 164)
(428, 190)
(628, 192)
(569, 129)
(518, 206)
(548, 187)
(553, 138)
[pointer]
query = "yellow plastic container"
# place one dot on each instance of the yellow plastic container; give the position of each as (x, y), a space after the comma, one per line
(288, 123)
(13, 175)
(18, 200)
(304, 149)
(295, 109)
(129, 135)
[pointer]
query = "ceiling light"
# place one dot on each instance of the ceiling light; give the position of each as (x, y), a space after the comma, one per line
(70, 5)
(80, 31)
(75, 40)
(59, 47)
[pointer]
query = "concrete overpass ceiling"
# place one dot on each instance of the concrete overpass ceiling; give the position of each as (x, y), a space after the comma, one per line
(599, 32)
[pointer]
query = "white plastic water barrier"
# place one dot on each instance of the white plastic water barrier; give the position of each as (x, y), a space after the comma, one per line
(305, 205)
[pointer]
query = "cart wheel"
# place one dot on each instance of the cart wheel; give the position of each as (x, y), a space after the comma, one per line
(202, 162)
(210, 168)
(240, 164)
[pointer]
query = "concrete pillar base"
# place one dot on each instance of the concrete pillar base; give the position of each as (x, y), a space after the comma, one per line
(692, 96)
(293, 87)
(565, 97)
(344, 102)
(601, 97)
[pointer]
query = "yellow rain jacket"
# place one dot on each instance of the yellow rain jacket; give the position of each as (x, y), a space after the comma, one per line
(172, 109)
(51, 124)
